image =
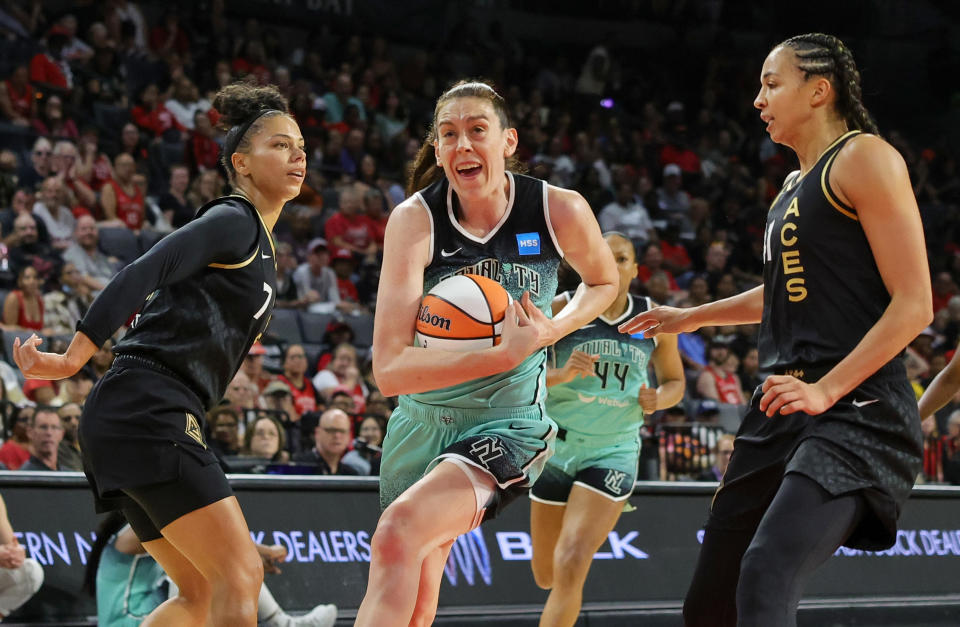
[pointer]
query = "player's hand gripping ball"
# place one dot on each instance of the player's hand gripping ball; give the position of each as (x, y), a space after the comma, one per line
(462, 313)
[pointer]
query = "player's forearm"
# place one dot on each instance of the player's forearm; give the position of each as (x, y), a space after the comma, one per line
(669, 393)
(415, 369)
(587, 304)
(744, 308)
(941, 390)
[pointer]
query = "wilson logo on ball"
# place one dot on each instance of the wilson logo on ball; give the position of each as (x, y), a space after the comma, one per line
(462, 313)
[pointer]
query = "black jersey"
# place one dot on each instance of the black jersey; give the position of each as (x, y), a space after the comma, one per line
(205, 294)
(822, 291)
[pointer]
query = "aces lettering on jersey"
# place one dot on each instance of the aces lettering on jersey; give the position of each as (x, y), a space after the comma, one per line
(789, 255)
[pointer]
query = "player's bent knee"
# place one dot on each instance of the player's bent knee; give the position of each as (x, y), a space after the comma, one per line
(392, 542)
(571, 560)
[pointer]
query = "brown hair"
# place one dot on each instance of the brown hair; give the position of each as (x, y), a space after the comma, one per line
(238, 104)
(424, 170)
(825, 55)
(248, 434)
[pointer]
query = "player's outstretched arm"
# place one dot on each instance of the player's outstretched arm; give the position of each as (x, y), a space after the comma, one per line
(940, 391)
(744, 308)
(38, 365)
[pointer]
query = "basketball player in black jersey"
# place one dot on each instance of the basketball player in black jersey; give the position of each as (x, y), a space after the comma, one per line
(470, 431)
(830, 448)
(204, 295)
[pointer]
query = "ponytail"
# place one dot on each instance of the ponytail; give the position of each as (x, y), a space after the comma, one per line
(424, 169)
(825, 55)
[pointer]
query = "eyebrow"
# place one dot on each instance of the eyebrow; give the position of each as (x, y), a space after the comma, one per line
(471, 118)
(299, 139)
(768, 73)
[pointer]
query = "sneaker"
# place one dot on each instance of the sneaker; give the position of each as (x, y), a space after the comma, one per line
(320, 616)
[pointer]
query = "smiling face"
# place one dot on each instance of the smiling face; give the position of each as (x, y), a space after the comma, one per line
(275, 161)
(471, 146)
(786, 99)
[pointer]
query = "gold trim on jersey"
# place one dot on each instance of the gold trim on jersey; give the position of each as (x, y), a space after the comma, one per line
(825, 151)
(234, 266)
(828, 193)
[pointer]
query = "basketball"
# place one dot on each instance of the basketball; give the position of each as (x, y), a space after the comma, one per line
(462, 313)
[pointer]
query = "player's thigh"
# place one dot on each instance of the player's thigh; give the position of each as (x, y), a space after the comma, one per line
(546, 521)
(189, 580)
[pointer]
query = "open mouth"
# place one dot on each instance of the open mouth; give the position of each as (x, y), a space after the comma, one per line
(469, 170)
(297, 174)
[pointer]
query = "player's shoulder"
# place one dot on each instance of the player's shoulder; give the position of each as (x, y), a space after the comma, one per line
(868, 152)
(566, 202)
(227, 208)
(412, 214)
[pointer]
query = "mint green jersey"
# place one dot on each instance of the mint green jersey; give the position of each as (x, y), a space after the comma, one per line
(522, 254)
(605, 404)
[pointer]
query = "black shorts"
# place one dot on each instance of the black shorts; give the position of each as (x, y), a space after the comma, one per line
(869, 441)
(142, 428)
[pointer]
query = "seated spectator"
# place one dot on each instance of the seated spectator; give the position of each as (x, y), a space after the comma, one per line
(315, 280)
(352, 153)
(716, 381)
(202, 151)
(102, 360)
(658, 289)
(76, 51)
(676, 259)
(79, 197)
(331, 438)
(224, 425)
(206, 187)
(49, 71)
(349, 228)
(252, 366)
(286, 287)
(95, 268)
(950, 446)
(373, 208)
(343, 374)
(653, 264)
(241, 396)
(340, 97)
(132, 142)
(122, 201)
(45, 432)
(186, 102)
(627, 215)
(52, 122)
(343, 264)
(168, 36)
(103, 78)
(9, 180)
(337, 333)
(18, 103)
(277, 397)
(53, 208)
(94, 166)
(17, 449)
(152, 116)
(23, 307)
(68, 453)
(343, 401)
(294, 371)
(378, 405)
(722, 451)
(20, 577)
(367, 449)
(40, 165)
(176, 208)
(749, 373)
(76, 388)
(673, 201)
(266, 439)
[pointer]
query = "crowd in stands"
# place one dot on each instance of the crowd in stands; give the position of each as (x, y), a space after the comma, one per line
(108, 142)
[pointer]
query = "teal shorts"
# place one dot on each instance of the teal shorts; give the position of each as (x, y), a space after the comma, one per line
(604, 464)
(512, 444)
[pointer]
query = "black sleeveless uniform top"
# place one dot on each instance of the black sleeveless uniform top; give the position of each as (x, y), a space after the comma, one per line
(206, 290)
(822, 290)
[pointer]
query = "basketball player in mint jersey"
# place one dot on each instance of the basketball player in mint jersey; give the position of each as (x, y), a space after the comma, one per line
(204, 295)
(599, 394)
(830, 448)
(470, 431)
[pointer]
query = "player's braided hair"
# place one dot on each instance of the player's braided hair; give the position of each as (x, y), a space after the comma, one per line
(424, 169)
(243, 108)
(825, 55)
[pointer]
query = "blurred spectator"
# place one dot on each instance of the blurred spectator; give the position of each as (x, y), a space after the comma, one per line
(301, 388)
(9, 180)
(367, 449)
(168, 36)
(253, 367)
(49, 71)
(23, 307)
(78, 195)
(391, 118)
(241, 395)
(75, 51)
(26, 248)
(349, 228)
(18, 103)
(343, 264)
(653, 264)
(39, 167)
(52, 206)
(95, 268)
(717, 382)
(176, 208)
(670, 197)
(224, 424)
(102, 359)
(52, 122)
(287, 297)
(16, 449)
(944, 288)
(121, 200)
(352, 153)
(202, 151)
(68, 453)
(378, 405)
(315, 280)
(93, 166)
(45, 432)
(186, 103)
(340, 98)
(265, 439)
(749, 373)
(20, 577)
(331, 438)
(343, 374)
(722, 451)
(151, 115)
(627, 215)
(206, 187)
(132, 143)
(104, 79)
(277, 397)
(336, 333)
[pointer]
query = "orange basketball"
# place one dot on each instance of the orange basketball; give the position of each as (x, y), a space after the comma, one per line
(462, 313)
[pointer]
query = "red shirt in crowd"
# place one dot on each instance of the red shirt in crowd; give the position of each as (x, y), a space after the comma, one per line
(357, 231)
(157, 121)
(130, 209)
(305, 398)
(12, 455)
(202, 152)
(21, 101)
(43, 69)
(645, 273)
(675, 254)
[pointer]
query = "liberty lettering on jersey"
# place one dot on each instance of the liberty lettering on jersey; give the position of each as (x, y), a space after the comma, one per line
(525, 277)
(789, 255)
